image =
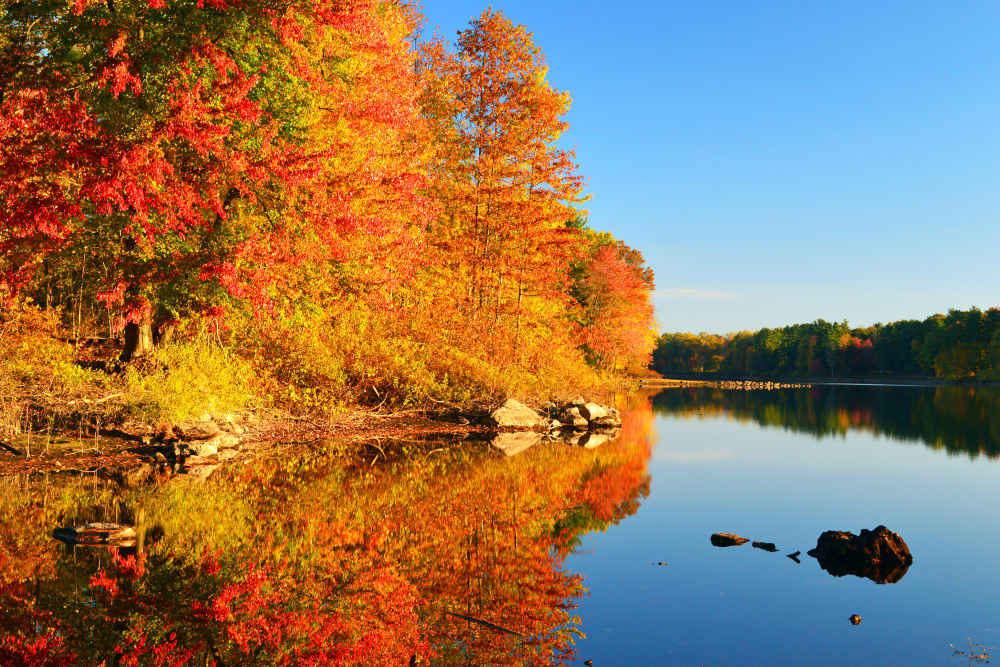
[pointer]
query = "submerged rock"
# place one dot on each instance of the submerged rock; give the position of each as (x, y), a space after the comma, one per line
(880, 555)
(728, 540)
(514, 413)
(766, 546)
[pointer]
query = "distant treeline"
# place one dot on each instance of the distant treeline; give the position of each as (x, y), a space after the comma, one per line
(962, 344)
(960, 420)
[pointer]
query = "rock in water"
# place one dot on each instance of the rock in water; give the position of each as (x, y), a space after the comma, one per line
(855, 619)
(97, 533)
(512, 444)
(728, 540)
(766, 546)
(514, 413)
(880, 555)
(592, 440)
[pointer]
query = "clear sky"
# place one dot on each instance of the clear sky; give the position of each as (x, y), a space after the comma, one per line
(777, 162)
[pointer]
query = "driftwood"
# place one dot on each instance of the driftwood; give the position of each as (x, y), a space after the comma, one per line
(95, 534)
(484, 623)
(10, 448)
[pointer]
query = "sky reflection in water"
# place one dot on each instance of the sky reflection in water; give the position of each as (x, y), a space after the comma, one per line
(783, 467)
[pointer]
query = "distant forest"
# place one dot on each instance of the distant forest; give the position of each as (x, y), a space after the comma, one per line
(963, 344)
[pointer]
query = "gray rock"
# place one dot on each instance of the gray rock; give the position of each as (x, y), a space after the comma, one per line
(202, 449)
(223, 441)
(593, 412)
(201, 430)
(514, 413)
(571, 417)
(512, 444)
(200, 473)
(233, 427)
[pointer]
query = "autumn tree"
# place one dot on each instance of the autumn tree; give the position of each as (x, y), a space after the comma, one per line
(182, 157)
(501, 245)
(614, 289)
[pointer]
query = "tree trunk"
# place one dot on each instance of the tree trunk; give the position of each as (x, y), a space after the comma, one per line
(138, 339)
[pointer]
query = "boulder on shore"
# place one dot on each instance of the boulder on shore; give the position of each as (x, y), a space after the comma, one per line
(880, 555)
(572, 418)
(514, 413)
(728, 540)
(201, 430)
(593, 411)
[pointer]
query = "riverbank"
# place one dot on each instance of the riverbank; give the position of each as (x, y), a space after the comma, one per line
(137, 453)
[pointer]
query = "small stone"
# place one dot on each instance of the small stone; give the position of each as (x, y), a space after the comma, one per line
(160, 458)
(855, 619)
(766, 546)
(728, 540)
(555, 425)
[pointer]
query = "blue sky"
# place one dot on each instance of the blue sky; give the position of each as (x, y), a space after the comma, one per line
(777, 162)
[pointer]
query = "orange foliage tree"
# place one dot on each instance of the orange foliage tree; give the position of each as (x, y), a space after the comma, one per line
(499, 252)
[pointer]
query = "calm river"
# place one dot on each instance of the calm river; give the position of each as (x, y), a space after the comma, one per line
(784, 466)
(468, 550)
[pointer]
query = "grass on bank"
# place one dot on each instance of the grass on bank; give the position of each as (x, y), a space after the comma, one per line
(297, 366)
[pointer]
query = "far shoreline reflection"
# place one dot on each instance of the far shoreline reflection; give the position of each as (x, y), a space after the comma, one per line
(959, 420)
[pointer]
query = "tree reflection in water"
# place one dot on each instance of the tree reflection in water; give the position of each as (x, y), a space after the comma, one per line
(960, 420)
(320, 556)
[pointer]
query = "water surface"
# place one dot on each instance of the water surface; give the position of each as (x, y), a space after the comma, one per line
(466, 550)
(783, 466)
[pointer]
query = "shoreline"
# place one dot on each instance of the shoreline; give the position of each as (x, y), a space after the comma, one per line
(138, 452)
(704, 380)
(120, 450)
